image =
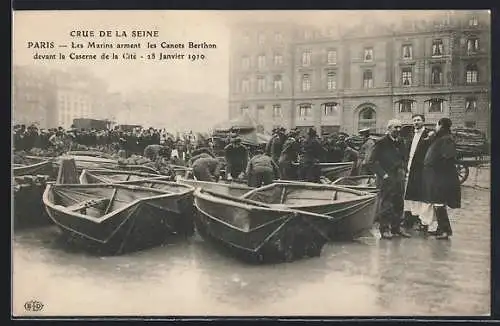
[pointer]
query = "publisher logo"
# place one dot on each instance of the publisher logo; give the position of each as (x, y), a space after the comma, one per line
(33, 305)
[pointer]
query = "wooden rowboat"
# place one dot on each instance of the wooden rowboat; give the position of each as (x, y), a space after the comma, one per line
(115, 218)
(93, 163)
(115, 176)
(360, 182)
(224, 187)
(256, 231)
(352, 211)
(34, 166)
(333, 171)
(90, 153)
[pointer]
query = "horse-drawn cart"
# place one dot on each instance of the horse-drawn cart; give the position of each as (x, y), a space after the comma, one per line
(472, 151)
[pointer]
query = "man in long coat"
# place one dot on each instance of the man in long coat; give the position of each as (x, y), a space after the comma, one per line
(418, 145)
(364, 152)
(275, 145)
(440, 177)
(312, 152)
(289, 155)
(387, 161)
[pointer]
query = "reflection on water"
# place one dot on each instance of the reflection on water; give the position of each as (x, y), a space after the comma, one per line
(414, 276)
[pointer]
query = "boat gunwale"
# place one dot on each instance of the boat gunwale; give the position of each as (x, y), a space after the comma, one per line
(233, 185)
(249, 204)
(111, 171)
(103, 218)
(362, 195)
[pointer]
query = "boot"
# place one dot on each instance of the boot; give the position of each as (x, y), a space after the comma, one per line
(443, 221)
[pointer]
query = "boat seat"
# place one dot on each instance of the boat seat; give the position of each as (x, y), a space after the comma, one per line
(335, 195)
(86, 204)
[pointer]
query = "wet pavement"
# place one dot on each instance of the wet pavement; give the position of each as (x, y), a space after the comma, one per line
(416, 276)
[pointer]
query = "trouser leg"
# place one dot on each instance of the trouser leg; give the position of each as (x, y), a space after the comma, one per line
(444, 225)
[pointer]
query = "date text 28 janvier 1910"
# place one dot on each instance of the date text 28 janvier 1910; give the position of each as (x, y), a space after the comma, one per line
(83, 43)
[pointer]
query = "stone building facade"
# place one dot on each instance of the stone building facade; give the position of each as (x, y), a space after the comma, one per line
(347, 79)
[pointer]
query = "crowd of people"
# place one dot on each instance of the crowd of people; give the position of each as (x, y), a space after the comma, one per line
(416, 176)
(133, 141)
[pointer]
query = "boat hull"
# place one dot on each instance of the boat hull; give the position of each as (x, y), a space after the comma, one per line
(40, 168)
(223, 187)
(28, 208)
(361, 183)
(350, 216)
(147, 220)
(115, 176)
(258, 234)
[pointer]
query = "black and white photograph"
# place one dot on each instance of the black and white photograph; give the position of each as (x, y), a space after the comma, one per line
(251, 163)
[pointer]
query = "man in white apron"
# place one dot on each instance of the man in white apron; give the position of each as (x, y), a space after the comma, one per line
(414, 207)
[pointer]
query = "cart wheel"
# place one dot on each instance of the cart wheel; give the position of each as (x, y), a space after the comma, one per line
(463, 172)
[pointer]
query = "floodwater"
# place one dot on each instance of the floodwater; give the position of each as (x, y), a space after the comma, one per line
(416, 276)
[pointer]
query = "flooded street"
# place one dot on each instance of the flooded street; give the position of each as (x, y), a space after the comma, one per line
(414, 276)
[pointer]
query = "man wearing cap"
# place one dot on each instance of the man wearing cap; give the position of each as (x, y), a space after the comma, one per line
(387, 161)
(289, 155)
(236, 159)
(261, 169)
(310, 171)
(207, 169)
(275, 145)
(364, 151)
(414, 196)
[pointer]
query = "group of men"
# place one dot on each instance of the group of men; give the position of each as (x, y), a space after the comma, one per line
(133, 141)
(402, 169)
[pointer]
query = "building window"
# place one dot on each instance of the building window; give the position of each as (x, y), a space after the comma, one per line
(406, 76)
(330, 109)
(244, 110)
(246, 38)
(306, 83)
(407, 51)
(278, 37)
(470, 104)
(405, 106)
(367, 79)
(261, 61)
(470, 124)
(473, 21)
(367, 118)
(368, 54)
(308, 34)
(437, 48)
(245, 62)
(436, 105)
(306, 58)
(261, 84)
(472, 45)
(305, 110)
(331, 80)
(261, 38)
(277, 112)
(245, 86)
(332, 57)
(471, 75)
(278, 59)
(436, 75)
(278, 83)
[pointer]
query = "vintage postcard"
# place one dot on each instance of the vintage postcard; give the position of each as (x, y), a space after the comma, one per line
(251, 163)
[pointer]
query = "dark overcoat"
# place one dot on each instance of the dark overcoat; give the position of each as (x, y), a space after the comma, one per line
(414, 184)
(440, 181)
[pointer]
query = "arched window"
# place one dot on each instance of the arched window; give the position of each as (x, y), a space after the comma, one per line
(367, 118)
